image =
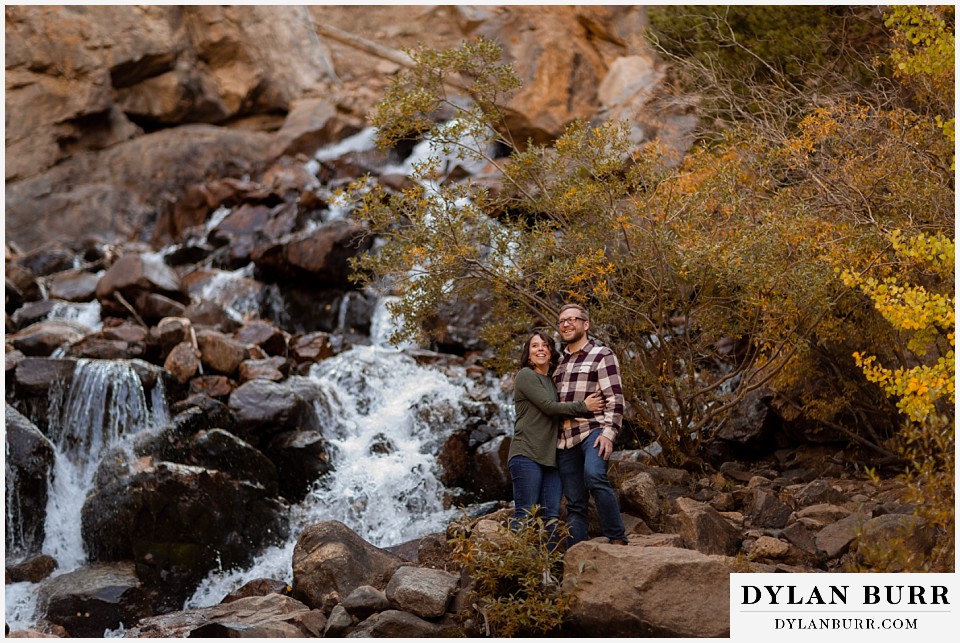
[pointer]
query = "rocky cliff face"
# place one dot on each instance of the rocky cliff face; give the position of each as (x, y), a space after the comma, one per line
(114, 112)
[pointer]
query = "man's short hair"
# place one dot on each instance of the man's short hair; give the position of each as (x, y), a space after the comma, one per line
(583, 311)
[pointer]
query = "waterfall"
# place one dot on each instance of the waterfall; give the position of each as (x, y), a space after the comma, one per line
(103, 406)
(385, 418)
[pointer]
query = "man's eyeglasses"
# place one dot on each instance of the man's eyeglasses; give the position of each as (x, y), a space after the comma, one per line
(569, 321)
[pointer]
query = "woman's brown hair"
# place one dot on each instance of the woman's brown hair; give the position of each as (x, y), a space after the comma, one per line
(554, 354)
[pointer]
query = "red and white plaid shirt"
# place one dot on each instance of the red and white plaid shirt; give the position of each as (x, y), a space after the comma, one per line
(577, 376)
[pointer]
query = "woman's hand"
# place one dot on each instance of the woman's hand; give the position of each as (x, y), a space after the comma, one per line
(595, 402)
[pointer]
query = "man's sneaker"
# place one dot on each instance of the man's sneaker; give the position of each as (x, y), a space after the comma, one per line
(618, 541)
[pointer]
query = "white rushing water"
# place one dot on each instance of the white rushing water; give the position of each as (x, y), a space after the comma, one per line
(385, 418)
(104, 406)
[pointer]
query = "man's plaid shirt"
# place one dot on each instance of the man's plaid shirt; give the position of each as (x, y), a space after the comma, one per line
(580, 374)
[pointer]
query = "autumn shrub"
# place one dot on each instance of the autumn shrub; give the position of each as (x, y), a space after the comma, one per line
(913, 291)
(711, 280)
(515, 588)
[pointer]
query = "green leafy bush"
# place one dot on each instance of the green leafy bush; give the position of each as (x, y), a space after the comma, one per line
(516, 591)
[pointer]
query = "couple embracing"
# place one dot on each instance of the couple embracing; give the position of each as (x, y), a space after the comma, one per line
(569, 408)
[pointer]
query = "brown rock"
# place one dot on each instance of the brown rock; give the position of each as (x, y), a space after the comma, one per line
(263, 369)
(183, 362)
(312, 347)
(265, 335)
(78, 285)
(44, 337)
(271, 615)
(330, 561)
(220, 352)
(216, 386)
(639, 494)
(646, 592)
(704, 529)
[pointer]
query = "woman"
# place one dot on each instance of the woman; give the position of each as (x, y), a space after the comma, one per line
(533, 453)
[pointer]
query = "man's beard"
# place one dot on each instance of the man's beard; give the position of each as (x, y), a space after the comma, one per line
(577, 336)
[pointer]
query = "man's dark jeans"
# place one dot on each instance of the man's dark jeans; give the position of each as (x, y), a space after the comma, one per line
(584, 472)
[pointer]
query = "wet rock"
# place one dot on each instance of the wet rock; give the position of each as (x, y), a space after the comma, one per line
(265, 335)
(33, 312)
(178, 522)
(301, 457)
(265, 408)
(22, 285)
(491, 475)
(320, 254)
(646, 592)
(365, 601)
(210, 314)
(34, 376)
(78, 285)
(31, 569)
(271, 369)
(220, 352)
(215, 386)
(222, 451)
(704, 529)
(44, 337)
(183, 362)
(269, 616)
(171, 331)
(48, 259)
(94, 598)
(422, 591)
(258, 587)
(751, 421)
(396, 624)
(311, 347)
(103, 345)
(135, 272)
(330, 561)
(27, 467)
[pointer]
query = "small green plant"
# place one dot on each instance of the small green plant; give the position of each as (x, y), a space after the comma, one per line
(516, 592)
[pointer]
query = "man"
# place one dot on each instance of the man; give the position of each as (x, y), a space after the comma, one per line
(585, 444)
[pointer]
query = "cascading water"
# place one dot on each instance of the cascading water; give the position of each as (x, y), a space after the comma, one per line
(385, 418)
(102, 408)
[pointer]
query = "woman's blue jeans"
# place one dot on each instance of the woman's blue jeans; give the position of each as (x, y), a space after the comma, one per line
(583, 472)
(535, 484)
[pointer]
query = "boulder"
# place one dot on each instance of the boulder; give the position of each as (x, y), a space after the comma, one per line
(178, 522)
(182, 362)
(310, 124)
(44, 337)
(258, 587)
(263, 409)
(301, 457)
(31, 569)
(222, 451)
(311, 347)
(422, 591)
(94, 598)
(135, 272)
(704, 529)
(767, 510)
(835, 539)
(365, 601)
(320, 254)
(646, 592)
(330, 561)
(639, 495)
(270, 616)
(75, 285)
(265, 335)
(33, 376)
(220, 352)
(397, 624)
(899, 538)
(272, 368)
(27, 466)
(491, 475)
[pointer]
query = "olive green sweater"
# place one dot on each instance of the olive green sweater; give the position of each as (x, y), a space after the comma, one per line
(537, 426)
